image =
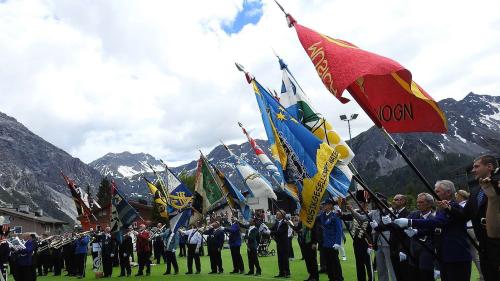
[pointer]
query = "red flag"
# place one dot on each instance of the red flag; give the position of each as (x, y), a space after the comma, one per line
(381, 86)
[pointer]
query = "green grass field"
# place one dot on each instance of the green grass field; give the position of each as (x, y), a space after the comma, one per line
(269, 267)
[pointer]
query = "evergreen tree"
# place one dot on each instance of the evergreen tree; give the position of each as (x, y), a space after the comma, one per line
(104, 193)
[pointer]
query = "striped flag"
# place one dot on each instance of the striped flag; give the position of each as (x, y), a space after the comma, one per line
(125, 213)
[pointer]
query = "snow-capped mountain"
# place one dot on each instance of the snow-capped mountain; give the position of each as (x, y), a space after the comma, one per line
(126, 164)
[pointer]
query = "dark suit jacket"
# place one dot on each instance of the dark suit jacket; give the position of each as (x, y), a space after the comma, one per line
(474, 212)
(280, 234)
(215, 238)
(398, 241)
(452, 244)
(420, 256)
(126, 247)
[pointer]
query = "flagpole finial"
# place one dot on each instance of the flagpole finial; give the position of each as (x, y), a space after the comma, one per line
(290, 20)
(248, 76)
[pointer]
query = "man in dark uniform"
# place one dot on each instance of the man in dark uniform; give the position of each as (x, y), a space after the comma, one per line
(126, 250)
(57, 260)
(69, 256)
(398, 241)
(475, 210)
(159, 252)
(4, 246)
(331, 226)
(42, 256)
(421, 261)
(252, 238)
(108, 252)
(215, 242)
(309, 240)
(280, 234)
(453, 249)
(234, 245)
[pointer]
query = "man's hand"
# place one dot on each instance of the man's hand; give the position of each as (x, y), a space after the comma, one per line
(112, 255)
(402, 256)
(124, 255)
(401, 222)
(487, 187)
(373, 224)
(443, 204)
(369, 250)
(410, 232)
(336, 247)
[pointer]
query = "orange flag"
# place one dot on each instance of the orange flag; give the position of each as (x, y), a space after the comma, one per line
(381, 86)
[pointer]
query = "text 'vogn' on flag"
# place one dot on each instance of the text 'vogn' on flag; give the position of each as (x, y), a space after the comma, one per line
(308, 162)
(381, 86)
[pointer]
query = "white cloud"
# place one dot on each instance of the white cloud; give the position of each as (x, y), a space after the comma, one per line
(152, 76)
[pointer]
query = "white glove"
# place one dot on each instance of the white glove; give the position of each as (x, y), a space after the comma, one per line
(373, 224)
(336, 247)
(437, 274)
(410, 232)
(402, 222)
(402, 256)
(124, 255)
(369, 251)
(337, 209)
(386, 219)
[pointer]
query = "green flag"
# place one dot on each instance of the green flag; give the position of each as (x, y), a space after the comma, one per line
(208, 186)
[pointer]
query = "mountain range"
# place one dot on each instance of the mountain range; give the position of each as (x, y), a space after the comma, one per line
(30, 166)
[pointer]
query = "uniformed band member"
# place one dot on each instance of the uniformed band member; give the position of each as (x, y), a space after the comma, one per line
(331, 227)
(234, 245)
(215, 243)
(158, 246)
(309, 240)
(4, 246)
(57, 260)
(108, 252)
(42, 257)
(421, 261)
(69, 256)
(81, 245)
(280, 234)
(252, 238)
(126, 250)
(143, 251)
(360, 231)
(170, 243)
(194, 239)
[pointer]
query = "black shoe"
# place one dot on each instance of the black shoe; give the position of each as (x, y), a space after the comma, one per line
(165, 273)
(249, 273)
(189, 272)
(212, 272)
(121, 275)
(279, 276)
(234, 272)
(198, 272)
(242, 271)
(258, 273)
(222, 271)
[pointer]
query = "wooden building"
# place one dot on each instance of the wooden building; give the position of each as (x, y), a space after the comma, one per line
(22, 220)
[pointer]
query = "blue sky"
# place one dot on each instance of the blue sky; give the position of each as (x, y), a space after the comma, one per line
(250, 14)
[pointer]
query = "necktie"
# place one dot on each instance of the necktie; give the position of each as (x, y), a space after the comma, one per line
(480, 197)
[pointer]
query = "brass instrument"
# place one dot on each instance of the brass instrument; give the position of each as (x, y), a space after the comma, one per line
(62, 241)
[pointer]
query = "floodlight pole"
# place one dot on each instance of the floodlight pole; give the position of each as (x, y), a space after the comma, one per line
(343, 117)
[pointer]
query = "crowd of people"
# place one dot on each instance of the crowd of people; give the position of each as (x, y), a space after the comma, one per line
(442, 237)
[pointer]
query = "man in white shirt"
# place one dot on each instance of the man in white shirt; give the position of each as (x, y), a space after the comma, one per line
(193, 242)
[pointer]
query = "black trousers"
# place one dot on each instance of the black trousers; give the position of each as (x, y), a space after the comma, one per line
(192, 255)
(215, 259)
(80, 264)
(107, 265)
(171, 260)
(417, 274)
(26, 273)
(283, 263)
(237, 259)
(182, 250)
(489, 257)
(57, 260)
(144, 260)
(363, 264)
(400, 267)
(125, 267)
(333, 265)
(290, 248)
(69, 263)
(322, 261)
(455, 271)
(253, 261)
(310, 258)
